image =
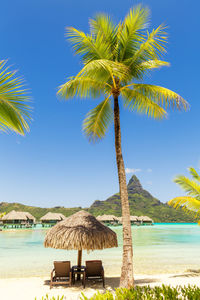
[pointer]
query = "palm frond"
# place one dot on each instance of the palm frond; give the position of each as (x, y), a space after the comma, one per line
(14, 108)
(190, 186)
(152, 64)
(98, 120)
(142, 69)
(135, 100)
(162, 96)
(131, 31)
(188, 204)
(86, 46)
(194, 173)
(150, 49)
(103, 70)
(81, 86)
(102, 25)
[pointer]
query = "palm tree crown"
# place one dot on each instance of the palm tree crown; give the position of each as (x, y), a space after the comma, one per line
(115, 58)
(191, 202)
(14, 108)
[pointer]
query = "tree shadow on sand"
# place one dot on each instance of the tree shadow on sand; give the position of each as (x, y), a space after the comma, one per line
(110, 283)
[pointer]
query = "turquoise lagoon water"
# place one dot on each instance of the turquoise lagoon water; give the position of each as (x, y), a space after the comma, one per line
(162, 248)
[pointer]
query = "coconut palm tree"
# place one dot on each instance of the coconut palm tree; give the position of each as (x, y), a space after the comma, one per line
(14, 108)
(115, 58)
(190, 203)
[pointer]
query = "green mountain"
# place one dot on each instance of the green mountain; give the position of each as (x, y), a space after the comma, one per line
(141, 203)
(37, 212)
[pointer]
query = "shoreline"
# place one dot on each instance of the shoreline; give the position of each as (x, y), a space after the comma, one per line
(28, 288)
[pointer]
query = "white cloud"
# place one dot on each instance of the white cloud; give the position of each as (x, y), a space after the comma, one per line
(130, 171)
(149, 170)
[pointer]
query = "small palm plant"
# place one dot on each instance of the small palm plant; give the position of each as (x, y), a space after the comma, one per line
(2, 214)
(190, 203)
(14, 108)
(115, 58)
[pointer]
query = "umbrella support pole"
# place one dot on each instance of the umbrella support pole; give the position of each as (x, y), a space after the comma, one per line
(79, 262)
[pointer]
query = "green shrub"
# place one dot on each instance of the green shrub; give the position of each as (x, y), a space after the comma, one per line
(147, 293)
(52, 298)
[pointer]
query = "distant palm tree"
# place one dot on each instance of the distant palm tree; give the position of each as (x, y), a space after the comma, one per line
(115, 58)
(190, 203)
(14, 108)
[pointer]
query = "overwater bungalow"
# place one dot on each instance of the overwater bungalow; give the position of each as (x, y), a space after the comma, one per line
(17, 219)
(108, 219)
(144, 220)
(51, 219)
(134, 220)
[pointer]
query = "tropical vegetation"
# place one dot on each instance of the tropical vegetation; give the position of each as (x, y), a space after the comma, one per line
(116, 58)
(47, 297)
(191, 202)
(2, 214)
(163, 292)
(14, 101)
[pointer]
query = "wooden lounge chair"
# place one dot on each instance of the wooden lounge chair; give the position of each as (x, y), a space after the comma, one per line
(61, 274)
(94, 270)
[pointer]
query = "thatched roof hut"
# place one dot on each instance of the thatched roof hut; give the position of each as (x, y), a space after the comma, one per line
(18, 217)
(145, 219)
(108, 219)
(133, 219)
(81, 231)
(52, 217)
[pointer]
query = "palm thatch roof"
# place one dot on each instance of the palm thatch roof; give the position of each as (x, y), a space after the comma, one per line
(145, 219)
(18, 215)
(80, 231)
(107, 218)
(53, 217)
(132, 218)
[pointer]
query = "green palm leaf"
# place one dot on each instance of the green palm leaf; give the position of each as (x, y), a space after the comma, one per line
(102, 25)
(135, 100)
(152, 64)
(88, 47)
(131, 31)
(190, 186)
(98, 120)
(162, 96)
(188, 204)
(14, 108)
(82, 87)
(103, 70)
(194, 173)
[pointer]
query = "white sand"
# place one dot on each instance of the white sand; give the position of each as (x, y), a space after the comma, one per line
(29, 288)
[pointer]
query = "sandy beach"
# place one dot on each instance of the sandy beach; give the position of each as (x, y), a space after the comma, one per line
(29, 288)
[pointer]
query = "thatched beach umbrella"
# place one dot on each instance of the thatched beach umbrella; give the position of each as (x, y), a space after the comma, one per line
(81, 231)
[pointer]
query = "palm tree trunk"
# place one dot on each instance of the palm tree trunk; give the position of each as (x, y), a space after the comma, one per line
(126, 279)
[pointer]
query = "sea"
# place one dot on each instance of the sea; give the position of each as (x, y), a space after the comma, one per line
(161, 248)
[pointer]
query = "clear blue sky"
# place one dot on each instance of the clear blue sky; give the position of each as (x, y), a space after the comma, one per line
(54, 164)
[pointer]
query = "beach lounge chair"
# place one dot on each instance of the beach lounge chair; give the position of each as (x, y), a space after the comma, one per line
(61, 274)
(94, 270)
